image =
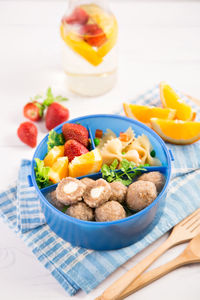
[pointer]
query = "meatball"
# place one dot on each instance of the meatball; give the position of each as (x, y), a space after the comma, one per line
(109, 211)
(80, 211)
(70, 190)
(51, 197)
(97, 193)
(156, 177)
(87, 181)
(140, 194)
(119, 191)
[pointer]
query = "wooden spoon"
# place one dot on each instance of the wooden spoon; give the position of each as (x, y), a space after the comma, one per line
(190, 255)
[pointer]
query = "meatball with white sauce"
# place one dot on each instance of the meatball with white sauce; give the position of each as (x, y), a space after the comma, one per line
(70, 190)
(119, 191)
(80, 211)
(110, 211)
(97, 193)
(140, 194)
(156, 177)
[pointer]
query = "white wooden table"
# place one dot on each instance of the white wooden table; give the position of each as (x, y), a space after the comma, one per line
(158, 41)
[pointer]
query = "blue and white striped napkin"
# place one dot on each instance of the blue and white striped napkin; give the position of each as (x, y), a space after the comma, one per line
(77, 268)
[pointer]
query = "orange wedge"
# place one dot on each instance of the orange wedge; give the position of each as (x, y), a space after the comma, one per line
(81, 47)
(177, 131)
(53, 155)
(108, 24)
(59, 170)
(111, 35)
(144, 113)
(85, 164)
(170, 99)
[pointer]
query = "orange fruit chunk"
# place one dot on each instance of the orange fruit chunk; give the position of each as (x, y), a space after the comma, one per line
(144, 113)
(177, 131)
(59, 170)
(111, 35)
(85, 164)
(170, 99)
(107, 22)
(53, 155)
(76, 43)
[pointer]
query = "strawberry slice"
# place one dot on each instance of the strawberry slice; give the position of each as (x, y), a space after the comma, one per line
(27, 133)
(33, 111)
(73, 149)
(78, 16)
(93, 35)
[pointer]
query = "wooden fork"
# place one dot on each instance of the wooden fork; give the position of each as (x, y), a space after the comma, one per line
(182, 232)
(190, 255)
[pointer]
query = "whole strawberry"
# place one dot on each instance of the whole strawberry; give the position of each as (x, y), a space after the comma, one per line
(55, 115)
(73, 148)
(33, 111)
(76, 132)
(27, 132)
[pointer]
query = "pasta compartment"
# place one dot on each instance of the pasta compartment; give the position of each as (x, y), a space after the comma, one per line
(137, 149)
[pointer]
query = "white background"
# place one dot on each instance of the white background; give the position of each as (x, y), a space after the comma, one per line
(159, 40)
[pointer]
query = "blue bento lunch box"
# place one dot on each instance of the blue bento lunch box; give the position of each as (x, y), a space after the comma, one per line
(105, 235)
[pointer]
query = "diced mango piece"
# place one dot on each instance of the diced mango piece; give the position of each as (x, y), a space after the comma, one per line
(59, 170)
(53, 155)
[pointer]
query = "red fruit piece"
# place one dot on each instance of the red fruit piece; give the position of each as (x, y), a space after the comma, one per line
(27, 132)
(93, 35)
(73, 148)
(98, 133)
(124, 137)
(78, 16)
(76, 132)
(56, 114)
(33, 111)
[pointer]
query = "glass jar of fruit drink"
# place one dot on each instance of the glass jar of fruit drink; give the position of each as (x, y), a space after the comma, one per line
(89, 31)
